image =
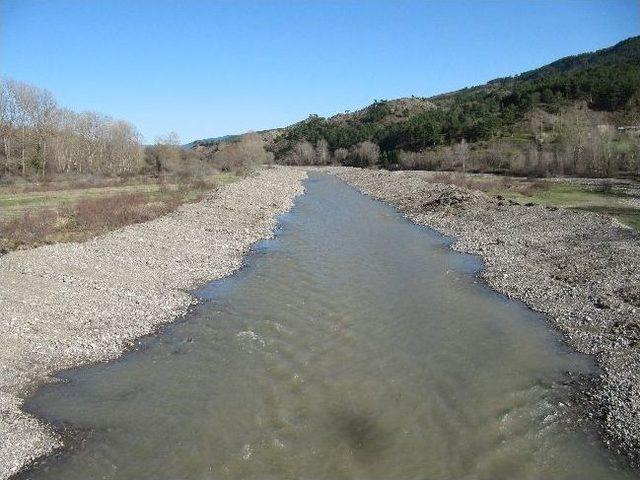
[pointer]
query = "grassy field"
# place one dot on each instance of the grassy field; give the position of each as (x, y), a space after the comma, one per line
(32, 215)
(615, 198)
(18, 200)
(624, 207)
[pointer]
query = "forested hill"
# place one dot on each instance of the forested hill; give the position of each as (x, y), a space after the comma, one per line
(210, 141)
(625, 51)
(499, 123)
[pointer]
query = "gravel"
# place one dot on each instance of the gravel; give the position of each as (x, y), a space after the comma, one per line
(66, 305)
(581, 269)
(71, 304)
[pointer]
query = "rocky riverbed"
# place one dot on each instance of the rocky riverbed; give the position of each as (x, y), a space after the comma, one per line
(581, 269)
(71, 304)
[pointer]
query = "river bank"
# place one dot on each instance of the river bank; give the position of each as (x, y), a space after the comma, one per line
(335, 354)
(581, 269)
(67, 305)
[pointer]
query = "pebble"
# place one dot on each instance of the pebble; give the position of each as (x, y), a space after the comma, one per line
(66, 305)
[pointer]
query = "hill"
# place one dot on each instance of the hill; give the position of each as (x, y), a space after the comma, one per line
(559, 118)
(216, 143)
(207, 142)
(625, 51)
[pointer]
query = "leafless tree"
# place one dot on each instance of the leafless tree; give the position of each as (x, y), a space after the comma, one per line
(340, 155)
(364, 154)
(461, 153)
(243, 155)
(45, 137)
(167, 152)
(323, 156)
(603, 150)
(302, 153)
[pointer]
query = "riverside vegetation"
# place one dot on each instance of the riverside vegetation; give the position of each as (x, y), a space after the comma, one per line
(67, 176)
(577, 116)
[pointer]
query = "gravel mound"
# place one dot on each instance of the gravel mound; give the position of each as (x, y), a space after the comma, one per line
(581, 269)
(70, 304)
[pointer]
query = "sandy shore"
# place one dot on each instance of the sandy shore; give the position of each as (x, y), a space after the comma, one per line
(581, 269)
(71, 304)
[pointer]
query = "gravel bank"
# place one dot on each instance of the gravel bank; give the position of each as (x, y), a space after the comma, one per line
(70, 304)
(581, 269)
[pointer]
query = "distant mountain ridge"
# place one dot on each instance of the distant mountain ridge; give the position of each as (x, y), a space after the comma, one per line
(606, 80)
(626, 50)
(210, 141)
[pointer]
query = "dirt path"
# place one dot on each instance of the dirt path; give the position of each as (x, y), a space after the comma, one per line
(70, 304)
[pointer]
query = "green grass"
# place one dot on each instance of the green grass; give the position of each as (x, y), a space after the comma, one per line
(15, 204)
(64, 214)
(628, 216)
(579, 197)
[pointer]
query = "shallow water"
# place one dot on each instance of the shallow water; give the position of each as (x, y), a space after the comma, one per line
(354, 345)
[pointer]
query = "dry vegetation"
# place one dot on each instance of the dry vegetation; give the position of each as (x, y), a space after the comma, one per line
(242, 155)
(67, 176)
(39, 137)
(41, 140)
(574, 141)
(617, 198)
(363, 154)
(86, 213)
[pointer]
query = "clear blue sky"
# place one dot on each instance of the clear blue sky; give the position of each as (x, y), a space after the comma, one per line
(208, 68)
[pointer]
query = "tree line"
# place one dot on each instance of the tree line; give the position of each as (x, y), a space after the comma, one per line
(572, 142)
(40, 137)
(482, 116)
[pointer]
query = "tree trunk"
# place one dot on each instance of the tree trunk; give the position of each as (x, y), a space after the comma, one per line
(7, 153)
(44, 158)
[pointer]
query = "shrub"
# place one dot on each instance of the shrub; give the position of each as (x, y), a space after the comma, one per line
(28, 228)
(364, 154)
(111, 212)
(243, 155)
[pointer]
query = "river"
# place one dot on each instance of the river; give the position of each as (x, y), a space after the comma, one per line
(354, 345)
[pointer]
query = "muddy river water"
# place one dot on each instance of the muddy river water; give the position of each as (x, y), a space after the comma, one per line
(354, 345)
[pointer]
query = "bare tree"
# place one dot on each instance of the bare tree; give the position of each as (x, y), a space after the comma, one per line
(603, 150)
(7, 123)
(243, 155)
(252, 149)
(123, 148)
(23, 97)
(364, 154)
(461, 153)
(43, 119)
(303, 153)
(171, 139)
(340, 155)
(167, 152)
(44, 136)
(323, 156)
